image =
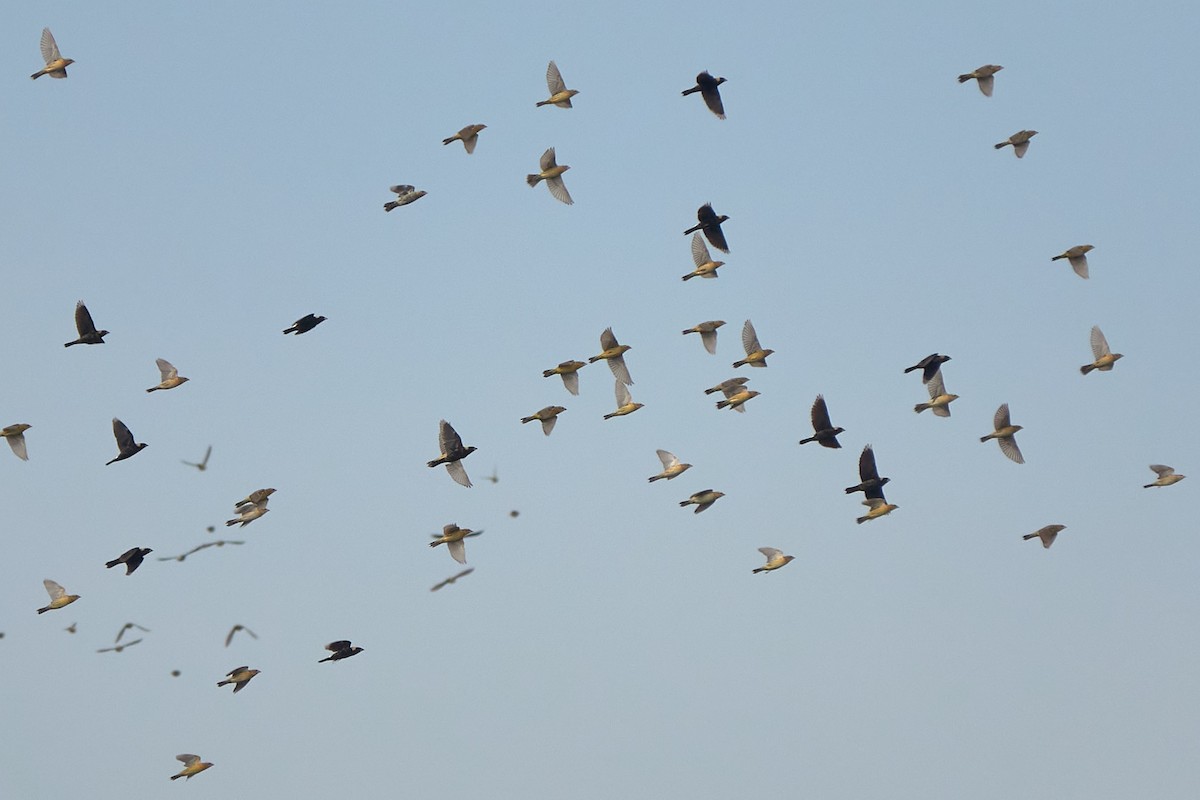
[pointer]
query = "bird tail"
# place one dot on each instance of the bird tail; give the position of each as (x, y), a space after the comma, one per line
(653, 479)
(809, 439)
(1002, 144)
(173, 777)
(112, 563)
(910, 369)
(964, 78)
(68, 344)
(38, 74)
(230, 522)
(389, 206)
(292, 329)
(741, 363)
(43, 610)
(760, 569)
(1086, 368)
(433, 463)
(527, 419)
(689, 276)
(692, 90)
(722, 403)
(448, 141)
(533, 180)
(1056, 258)
(985, 438)
(224, 683)
(1029, 536)
(682, 504)
(861, 520)
(155, 389)
(543, 103)
(546, 373)
(919, 407)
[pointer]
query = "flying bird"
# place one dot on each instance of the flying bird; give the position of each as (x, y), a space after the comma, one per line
(707, 85)
(235, 629)
(710, 224)
(756, 356)
(708, 333)
(340, 649)
(672, 468)
(1077, 258)
(170, 376)
(929, 366)
(125, 443)
(705, 266)
(877, 507)
(248, 512)
(452, 536)
(257, 497)
(985, 77)
(625, 404)
(405, 194)
(469, 136)
(451, 579)
(551, 173)
(118, 648)
(1019, 142)
(870, 484)
(1105, 357)
(824, 433)
(614, 353)
(198, 548)
(736, 398)
(702, 499)
(939, 399)
(306, 323)
(239, 677)
(15, 434)
(724, 386)
(560, 95)
(203, 465)
(128, 626)
(56, 65)
(452, 453)
(1166, 476)
(1047, 534)
(192, 765)
(548, 416)
(58, 596)
(569, 370)
(131, 558)
(1005, 434)
(86, 328)
(775, 559)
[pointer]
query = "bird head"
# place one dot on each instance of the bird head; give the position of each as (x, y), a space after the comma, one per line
(836, 431)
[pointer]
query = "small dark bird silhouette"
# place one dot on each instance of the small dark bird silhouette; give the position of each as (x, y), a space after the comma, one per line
(710, 224)
(451, 579)
(707, 85)
(125, 442)
(128, 626)
(131, 558)
(87, 329)
(305, 324)
(929, 366)
(235, 629)
(872, 484)
(203, 465)
(340, 649)
(824, 432)
(452, 453)
(118, 648)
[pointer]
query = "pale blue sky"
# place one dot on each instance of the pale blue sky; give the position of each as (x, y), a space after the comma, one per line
(210, 173)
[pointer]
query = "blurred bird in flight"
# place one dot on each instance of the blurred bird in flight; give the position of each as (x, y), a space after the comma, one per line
(203, 465)
(118, 648)
(551, 173)
(86, 328)
(1166, 476)
(235, 629)
(560, 95)
(451, 579)
(56, 65)
(707, 86)
(128, 626)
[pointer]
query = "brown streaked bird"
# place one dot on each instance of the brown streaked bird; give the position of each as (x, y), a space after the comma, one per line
(1105, 357)
(985, 77)
(304, 324)
(702, 499)
(756, 356)
(119, 647)
(452, 536)
(469, 136)
(870, 484)
(1077, 258)
(877, 507)
(929, 366)
(625, 404)
(86, 328)
(710, 225)
(548, 416)
(452, 453)
(405, 194)
(560, 95)
(1047, 534)
(551, 173)
(192, 765)
(340, 649)
(569, 370)
(614, 353)
(235, 629)
(672, 468)
(775, 560)
(723, 386)
(203, 465)
(1019, 142)
(707, 85)
(239, 677)
(1005, 434)
(705, 266)
(939, 399)
(125, 443)
(1166, 476)
(824, 433)
(56, 65)
(170, 376)
(58, 596)
(131, 558)
(451, 579)
(736, 398)
(128, 626)
(708, 333)
(15, 435)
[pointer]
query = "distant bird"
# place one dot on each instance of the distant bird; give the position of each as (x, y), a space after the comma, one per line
(452, 536)
(235, 629)
(452, 453)
(625, 404)
(775, 559)
(710, 225)
(118, 648)
(126, 446)
(1005, 434)
(340, 649)
(72, 628)
(870, 484)
(131, 558)
(192, 765)
(877, 507)
(1047, 534)
(1105, 357)
(494, 477)
(569, 370)
(985, 77)
(939, 399)
(451, 579)
(824, 433)
(1077, 258)
(614, 353)
(58, 596)
(56, 65)
(702, 499)
(203, 465)
(708, 333)
(672, 468)
(1019, 142)
(198, 548)
(560, 95)
(551, 173)
(170, 376)
(304, 324)
(128, 626)
(756, 356)
(707, 85)
(86, 328)
(254, 498)
(547, 416)
(239, 677)
(725, 385)
(248, 512)
(705, 266)
(929, 366)
(469, 136)
(736, 398)
(15, 434)
(1166, 476)
(405, 194)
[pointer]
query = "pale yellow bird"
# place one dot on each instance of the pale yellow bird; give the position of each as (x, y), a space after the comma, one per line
(736, 398)
(672, 468)
(192, 765)
(1077, 258)
(939, 399)
(1004, 434)
(877, 507)
(56, 65)
(569, 371)
(702, 499)
(1105, 357)
(170, 376)
(708, 333)
(723, 386)
(1019, 142)
(985, 77)
(452, 536)
(1047, 534)
(705, 266)
(756, 356)
(775, 559)
(552, 174)
(15, 434)
(469, 136)
(547, 416)
(239, 677)
(405, 194)
(560, 95)
(1166, 476)
(248, 512)
(58, 596)
(614, 353)
(625, 404)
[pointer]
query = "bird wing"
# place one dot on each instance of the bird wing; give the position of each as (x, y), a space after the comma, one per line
(448, 439)
(53, 589)
(820, 415)
(873, 502)
(558, 190)
(1162, 470)
(624, 398)
(750, 338)
(167, 369)
(1099, 343)
(619, 370)
(554, 79)
(17, 443)
(1002, 419)
(770, 552)
(937, 386)
(1079, 264)
(401, 189)
(548, 424)
(709, 339)
(459, 473)
(1008, 446)
(571, 381)
(866, 465)
(700, 254)
(1020, 148)
(187, 758)
(83, 320)
(608, 340)
(458, 551)
(49, 46)
(985, 85)
(235, 671)
(548, 161)
(123, 436)
(340, 644)
(706, 215)
(712, 99)
(668, 459)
